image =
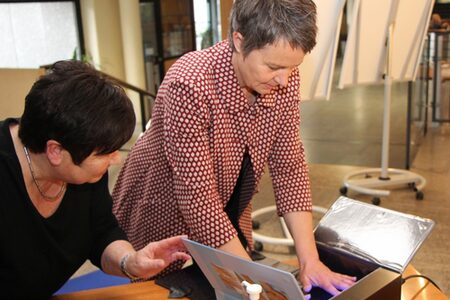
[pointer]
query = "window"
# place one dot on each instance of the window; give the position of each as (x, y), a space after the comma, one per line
(35, 34)
(207, 23)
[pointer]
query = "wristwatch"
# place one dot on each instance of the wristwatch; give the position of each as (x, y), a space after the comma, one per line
(123, 268)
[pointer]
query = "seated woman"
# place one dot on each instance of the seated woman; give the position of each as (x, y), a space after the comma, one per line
(55, 208)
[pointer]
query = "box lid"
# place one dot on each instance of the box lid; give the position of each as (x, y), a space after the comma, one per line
(385, 237)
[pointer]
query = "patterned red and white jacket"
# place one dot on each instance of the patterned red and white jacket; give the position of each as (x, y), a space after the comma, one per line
(180, 174)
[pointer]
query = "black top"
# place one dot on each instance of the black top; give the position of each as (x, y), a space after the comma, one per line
(38, 255)
(238, 200)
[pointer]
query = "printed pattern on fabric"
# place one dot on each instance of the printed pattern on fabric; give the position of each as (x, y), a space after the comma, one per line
(180, 174)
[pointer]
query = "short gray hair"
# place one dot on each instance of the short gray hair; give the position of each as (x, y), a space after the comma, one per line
(264, 22)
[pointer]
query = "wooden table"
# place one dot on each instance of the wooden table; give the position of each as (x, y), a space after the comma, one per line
(419, 288)
(135, 291)
(413, 289)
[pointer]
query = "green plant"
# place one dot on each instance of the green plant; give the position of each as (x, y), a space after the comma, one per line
(85, 57)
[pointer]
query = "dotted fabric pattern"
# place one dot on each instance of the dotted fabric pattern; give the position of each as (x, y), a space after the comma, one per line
(180, 174)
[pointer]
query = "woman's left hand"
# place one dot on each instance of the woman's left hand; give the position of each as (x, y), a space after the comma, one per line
(315, 273)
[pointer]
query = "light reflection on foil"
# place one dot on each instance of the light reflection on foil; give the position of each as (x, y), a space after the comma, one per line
(386, 237)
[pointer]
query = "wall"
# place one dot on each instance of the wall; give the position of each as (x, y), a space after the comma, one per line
(113, 39)
(225, 8)
(14, 86)
(103, 36)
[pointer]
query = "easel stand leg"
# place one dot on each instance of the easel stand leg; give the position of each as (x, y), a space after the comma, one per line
(373, 181)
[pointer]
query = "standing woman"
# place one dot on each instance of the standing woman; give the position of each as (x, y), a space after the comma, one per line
(55, 207)
(220, 116)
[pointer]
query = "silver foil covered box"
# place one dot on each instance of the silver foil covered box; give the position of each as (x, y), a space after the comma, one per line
(374, 244)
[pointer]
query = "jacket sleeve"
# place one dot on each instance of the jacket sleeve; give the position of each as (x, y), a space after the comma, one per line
(287, 163)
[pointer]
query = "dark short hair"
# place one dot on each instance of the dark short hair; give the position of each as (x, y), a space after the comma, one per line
(264, 22)
(78, 107)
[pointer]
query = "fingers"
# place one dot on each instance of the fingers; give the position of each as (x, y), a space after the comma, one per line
(165, 247)
(346, 277)
(180, 256)
(158, 255)
(307, 288)
(306, 284)
(152, 266)
(174, 242)
(155, 264)
(339, 282)
(330, 281)
(344, 283)
(331, 289)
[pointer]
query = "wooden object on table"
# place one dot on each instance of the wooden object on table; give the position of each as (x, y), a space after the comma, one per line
(419, 288)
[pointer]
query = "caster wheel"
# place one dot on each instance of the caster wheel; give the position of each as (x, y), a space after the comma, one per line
(376, 201)
(412, 185)
(255, 224)
(343, 190)
(258, 246)
(419, 195)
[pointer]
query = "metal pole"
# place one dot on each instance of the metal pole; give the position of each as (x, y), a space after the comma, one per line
(387, 109)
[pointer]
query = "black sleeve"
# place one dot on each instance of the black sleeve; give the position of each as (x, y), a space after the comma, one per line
(105, 228)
